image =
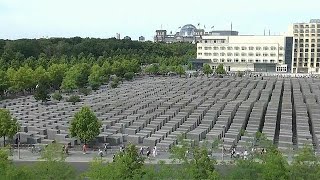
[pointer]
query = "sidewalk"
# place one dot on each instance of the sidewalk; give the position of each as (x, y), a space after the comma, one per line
(78, 156)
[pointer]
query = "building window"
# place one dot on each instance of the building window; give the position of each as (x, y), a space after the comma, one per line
(230, 48)
(215, 48)
(257, 60)
(236, 60)
(229, 60)
(222, 54)
(243, 54)
(251, 54)
(251, 48)
(272, 61)
(258, 48)
(243, 48)
(265, 60)
(215, 60)
(229, 54)
(265, 54)
(251, 60)
(207, 48)
(215, 54)
(258, 54)
(222, 60)
(199, 54)
(273, 48)
(273, 54)
(222, 48)
(236, 48)
(281, 48)
(243, 60)
(236, 54)
(200, 48)
(265, 48)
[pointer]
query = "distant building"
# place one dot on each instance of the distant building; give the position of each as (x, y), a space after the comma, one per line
(245, 53)
(306, 47)
(142, 38)
(188, 33)
(127, 38)
(118, 36)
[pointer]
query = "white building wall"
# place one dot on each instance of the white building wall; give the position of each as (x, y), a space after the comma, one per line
(241, 52)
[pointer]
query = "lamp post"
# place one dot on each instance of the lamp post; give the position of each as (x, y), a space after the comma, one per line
(222, 151)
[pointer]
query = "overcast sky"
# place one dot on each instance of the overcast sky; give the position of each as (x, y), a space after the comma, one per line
(104, 18)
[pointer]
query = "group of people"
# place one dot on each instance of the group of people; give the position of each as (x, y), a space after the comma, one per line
(245, 154)
(154, 151)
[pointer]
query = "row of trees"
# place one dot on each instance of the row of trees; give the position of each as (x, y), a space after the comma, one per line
(44, 52)
(63, 77)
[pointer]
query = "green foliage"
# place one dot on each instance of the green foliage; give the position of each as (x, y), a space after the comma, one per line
(57, 96)
(207, 69)
(190, 66)
(305, 165)
(196, 162)
(8, 125)
(152, 69)
(85, 125)
(126, 165)
(56, 74)
(53, 152)
(129, 76)
(53, 170)
(74, 99)
(4, 83)
(96, 77)
(220, 69)
(180, 70)
(85, 91)
(42, 87)
(115, 82)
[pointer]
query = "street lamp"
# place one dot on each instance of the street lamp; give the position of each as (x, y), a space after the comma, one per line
(222, 151)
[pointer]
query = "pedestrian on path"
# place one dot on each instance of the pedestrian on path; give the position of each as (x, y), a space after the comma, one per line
(141, 150)
(105, 148)
(84, 149)
(100, 153)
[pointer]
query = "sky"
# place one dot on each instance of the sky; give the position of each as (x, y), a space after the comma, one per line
(104, 18)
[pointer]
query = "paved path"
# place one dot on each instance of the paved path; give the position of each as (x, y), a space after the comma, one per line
(78, 156)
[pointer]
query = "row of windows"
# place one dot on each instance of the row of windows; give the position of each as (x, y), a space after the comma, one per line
(282, 69)
(242, 48)
(306, 35)
(306, 54)
(306, 40)
(306, 59)
(238, 54)
(307, 31)
(306, 26)
(305, 45)
(229, 60)
(312, 65)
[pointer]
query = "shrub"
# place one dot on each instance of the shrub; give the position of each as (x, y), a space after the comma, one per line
(129, 76)
(57, 96)
(85, 91)
(114, 84)
(74, 99)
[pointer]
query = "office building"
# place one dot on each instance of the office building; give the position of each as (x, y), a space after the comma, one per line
(306, 47)
(246, 53)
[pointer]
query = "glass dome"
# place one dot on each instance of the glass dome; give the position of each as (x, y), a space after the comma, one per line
(187, 30)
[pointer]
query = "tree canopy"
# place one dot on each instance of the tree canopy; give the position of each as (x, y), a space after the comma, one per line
(8, 125)
(85, 125)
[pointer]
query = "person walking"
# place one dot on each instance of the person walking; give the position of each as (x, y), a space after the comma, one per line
(100, 153)
(84, 149)
(141, 150)
(105, 148)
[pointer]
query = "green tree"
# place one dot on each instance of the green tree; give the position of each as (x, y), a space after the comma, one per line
(69, 82)
(180, 70)
(190, 66)
(4, 83)
(305, 165)
(96, 77)
(207, 69)
(85, 125)
(163, 69)
(8, 125)
(197, 165)
(220, 69)
(74, 99)
(126, 165)
(56, 74)
(42, 87)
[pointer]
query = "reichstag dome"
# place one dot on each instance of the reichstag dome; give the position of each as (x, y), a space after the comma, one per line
(187, 30)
